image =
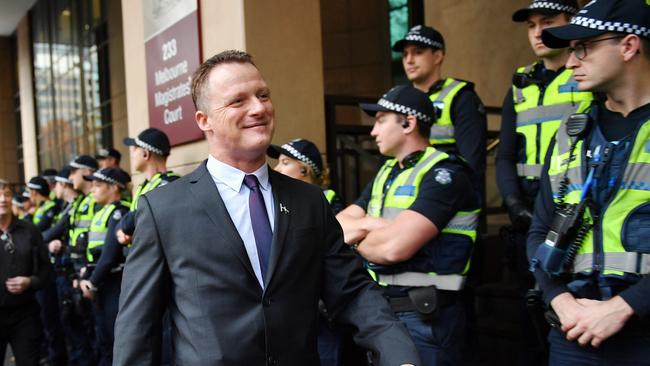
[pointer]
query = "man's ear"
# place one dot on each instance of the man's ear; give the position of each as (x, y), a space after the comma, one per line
(201, 119)
(438, 56)
(630, 46)
(412, 124)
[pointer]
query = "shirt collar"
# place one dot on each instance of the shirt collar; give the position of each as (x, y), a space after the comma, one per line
(233, 177)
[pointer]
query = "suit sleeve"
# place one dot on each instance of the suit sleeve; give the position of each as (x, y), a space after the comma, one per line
(144, 296)
(353, 298)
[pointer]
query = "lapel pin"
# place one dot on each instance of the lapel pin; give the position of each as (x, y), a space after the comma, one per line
(283, 209)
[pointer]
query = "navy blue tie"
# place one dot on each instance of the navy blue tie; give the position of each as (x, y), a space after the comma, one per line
(260, 222)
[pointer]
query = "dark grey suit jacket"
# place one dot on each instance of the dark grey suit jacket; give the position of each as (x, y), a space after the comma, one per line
(188, 256)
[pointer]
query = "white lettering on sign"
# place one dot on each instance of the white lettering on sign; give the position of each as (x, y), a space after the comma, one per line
(173, 93)
(169, 49)
(173, 115)
(170, 73)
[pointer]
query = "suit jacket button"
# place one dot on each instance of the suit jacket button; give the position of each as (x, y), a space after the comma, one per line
(266, 302)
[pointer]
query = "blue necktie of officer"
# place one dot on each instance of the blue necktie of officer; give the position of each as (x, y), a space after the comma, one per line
(259, 221)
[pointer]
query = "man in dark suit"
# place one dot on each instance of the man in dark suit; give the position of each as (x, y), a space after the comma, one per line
(241, 254)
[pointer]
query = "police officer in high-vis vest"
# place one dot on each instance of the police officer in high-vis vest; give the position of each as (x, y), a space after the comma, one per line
(54, 348)
(541, 95)
(460, 123)
(148, 152)
(589, 239)
(68, 240)
(300, 159)
(103, 275)
(415, 226)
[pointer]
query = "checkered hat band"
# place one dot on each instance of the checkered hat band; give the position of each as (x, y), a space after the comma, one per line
(76, 165)
(611, 26)
(302, 157)
(418, 38)
(34, 186)
(107, 179)
(404, 110)
(553, 6)
(147, 146)
(62, 180)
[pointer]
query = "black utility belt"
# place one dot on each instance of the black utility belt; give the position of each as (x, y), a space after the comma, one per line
(425, 301)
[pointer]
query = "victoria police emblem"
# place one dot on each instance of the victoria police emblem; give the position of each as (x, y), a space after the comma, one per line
(443, 176)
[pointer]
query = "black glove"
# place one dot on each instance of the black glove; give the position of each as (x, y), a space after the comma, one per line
(520, 215)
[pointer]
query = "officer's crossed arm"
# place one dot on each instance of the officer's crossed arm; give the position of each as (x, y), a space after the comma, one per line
(394, 241)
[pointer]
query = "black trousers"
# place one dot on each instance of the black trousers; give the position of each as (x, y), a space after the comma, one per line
(20, 327)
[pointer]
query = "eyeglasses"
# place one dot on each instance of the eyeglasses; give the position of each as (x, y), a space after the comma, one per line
(10, 247)
(580, 49)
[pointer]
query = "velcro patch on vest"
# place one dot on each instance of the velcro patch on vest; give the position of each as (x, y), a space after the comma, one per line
(405, 191)
(647, 146)
(568, 88)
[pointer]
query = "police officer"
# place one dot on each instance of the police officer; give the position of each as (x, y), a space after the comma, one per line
(69, 240)
(108, 158)
(49, 174)
(18, 206)
(44, 217)
(23, 268)
(460, 124)
(103, 274)
(148, 152)
(540, 95)
(301, 159)
(46, 209)
(415, 226)
(588, 240)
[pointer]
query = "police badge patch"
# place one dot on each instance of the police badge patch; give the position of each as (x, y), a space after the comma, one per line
(443, 176)
(117, 215)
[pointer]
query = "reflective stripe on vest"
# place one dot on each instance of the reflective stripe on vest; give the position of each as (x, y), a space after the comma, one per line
(634, 191)
(419, 279)
(442, 131)
(538, 119)
(41, 210)
(403, 192)
(80, 220)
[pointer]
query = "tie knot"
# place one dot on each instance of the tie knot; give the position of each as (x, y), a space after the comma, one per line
(251, 182)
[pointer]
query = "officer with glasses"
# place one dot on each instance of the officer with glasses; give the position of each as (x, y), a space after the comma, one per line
(24, 267)
(588, 242)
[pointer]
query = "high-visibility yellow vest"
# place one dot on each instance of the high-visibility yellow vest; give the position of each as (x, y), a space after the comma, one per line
(81, 218)
(99, 229)
(616, 246)
(442, 131)
(42, 210)
(148, 186)
(539, 113)
(460, 231)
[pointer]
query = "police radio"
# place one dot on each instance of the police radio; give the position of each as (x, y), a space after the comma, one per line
(522, 80)
(568, 230)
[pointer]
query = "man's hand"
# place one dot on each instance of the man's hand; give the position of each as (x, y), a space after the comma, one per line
(87, 289)
(599, 320)
(18, 285)
(123, 238)
(567, 309)
(55, 246)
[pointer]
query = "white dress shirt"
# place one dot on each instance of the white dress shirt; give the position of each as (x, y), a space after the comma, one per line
(234, 193)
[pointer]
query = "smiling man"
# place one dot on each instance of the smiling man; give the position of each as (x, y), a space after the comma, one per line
(589, 237)
(241, 254)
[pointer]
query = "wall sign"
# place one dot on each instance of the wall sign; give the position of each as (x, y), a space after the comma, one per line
(173, 51)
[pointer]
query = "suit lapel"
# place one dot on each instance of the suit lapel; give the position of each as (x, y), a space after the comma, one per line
(282, 202)
(207, 196)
